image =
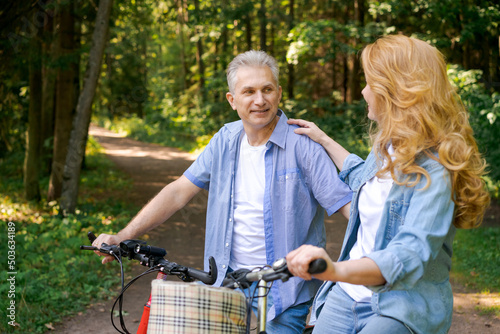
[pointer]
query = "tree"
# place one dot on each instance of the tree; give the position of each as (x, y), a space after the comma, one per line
(48, 89)
(76, 148)
(291, 69)
(199, 50)
(354, 80)
(65, 99)
(263, 25)
(33, 138)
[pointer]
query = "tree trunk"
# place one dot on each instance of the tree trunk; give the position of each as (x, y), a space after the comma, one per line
(180, 33)
(354, 85)
(76, 148)
(495, 63)
(345, 65)
(48, 95)
(345, 79)
(485, 61)
(224, 37)
(199, 55)
(291, 68)
(263, 25)
(33, 138)
(248, 31)
(65, 99)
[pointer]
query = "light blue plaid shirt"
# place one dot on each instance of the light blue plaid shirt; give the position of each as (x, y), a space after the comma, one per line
(300, 179)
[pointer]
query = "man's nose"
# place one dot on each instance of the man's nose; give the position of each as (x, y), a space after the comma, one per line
(259, 98)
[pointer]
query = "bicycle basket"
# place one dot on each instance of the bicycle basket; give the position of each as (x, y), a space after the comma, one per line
(185, 308)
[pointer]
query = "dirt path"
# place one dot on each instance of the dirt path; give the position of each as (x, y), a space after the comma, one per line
(151, 167)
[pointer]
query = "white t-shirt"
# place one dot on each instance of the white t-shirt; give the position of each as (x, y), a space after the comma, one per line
(248, 245)
(372, 198)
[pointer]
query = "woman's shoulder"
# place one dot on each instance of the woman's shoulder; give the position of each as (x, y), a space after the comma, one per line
(429, 161)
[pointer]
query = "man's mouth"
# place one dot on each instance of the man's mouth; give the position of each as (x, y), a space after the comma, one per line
(260, 111)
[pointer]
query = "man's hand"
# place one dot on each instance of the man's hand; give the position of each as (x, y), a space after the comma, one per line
(107, 239)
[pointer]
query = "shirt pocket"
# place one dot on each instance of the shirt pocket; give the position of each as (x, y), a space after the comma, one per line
(397, 213)
(292, 190)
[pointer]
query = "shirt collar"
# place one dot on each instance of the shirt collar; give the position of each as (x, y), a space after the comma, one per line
(278, 136)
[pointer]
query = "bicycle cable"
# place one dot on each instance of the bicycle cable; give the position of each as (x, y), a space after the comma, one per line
(120, 298)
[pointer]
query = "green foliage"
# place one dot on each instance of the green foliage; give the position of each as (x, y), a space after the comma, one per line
(329, 35)
(184, 128)
(54, 278)
(14, 101)
(484, 110)
(476, 255)
(346, 123)
(153, 89)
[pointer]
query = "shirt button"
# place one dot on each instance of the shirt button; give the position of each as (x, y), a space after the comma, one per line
(227, 244)
(286, 177)
(230, 219)
(223, 266)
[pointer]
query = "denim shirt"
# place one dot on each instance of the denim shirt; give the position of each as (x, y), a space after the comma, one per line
(413, 247)
(301, 180)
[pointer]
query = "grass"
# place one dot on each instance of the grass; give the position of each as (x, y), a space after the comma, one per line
(54, 278)
(476, 263)
(489, 310)
(476, 258)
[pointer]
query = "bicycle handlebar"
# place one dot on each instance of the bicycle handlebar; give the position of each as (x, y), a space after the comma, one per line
(151, 257)
(279, 271)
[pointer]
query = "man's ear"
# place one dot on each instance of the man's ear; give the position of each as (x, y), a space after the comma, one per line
(230, 99)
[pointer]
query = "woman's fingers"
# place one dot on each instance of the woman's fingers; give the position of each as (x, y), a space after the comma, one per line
(299, 259)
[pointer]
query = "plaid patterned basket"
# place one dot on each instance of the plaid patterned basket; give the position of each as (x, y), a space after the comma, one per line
(186, 308)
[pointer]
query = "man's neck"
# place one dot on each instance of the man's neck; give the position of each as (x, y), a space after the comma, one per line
(258, 137)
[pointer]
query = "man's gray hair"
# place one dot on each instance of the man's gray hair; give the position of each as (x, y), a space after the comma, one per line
(251, 58)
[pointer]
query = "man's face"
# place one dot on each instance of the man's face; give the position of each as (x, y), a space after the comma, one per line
(256, 96)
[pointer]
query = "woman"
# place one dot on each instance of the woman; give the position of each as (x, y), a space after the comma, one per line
(421, 180)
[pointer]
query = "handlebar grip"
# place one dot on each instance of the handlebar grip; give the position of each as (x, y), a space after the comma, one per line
(207, 278)
(317, 266)
(200, 275)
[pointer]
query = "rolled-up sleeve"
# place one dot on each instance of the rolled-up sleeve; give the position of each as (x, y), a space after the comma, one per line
(350, 168)
(328, 189)
(199, 172)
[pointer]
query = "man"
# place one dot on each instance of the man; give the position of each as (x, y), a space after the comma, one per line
(265, 188)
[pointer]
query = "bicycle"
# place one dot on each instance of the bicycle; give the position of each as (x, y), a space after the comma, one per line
(243, 278)
(153, 257)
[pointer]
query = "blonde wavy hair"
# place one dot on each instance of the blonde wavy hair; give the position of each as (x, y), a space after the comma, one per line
(420, 113)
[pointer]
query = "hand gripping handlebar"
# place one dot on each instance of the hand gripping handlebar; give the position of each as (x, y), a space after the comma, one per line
(151, 256)
(279, 271)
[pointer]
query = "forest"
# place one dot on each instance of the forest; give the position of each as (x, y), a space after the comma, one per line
(156, 69)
